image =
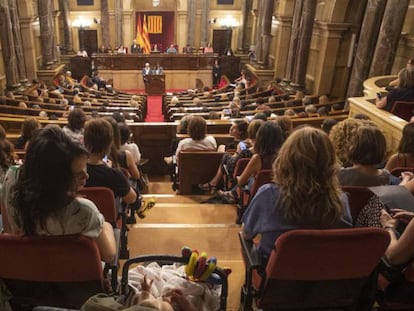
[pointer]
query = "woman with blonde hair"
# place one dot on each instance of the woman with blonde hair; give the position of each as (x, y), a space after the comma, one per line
(305, 194)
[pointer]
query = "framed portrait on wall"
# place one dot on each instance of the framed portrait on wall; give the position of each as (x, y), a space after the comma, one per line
(85, 2)
(224, 1)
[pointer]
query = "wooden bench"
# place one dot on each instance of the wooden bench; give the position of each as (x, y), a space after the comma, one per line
(196, 167)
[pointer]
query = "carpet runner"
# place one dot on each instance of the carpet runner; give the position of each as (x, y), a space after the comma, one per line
(154, 109)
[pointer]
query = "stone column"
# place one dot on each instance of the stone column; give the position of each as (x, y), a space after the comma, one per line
(17, 38)
(67, 29)
(191, 21)
(118, 22)
(7, 43)
(304, 41)
(389, 36)
(365, 49)
(46, 32)
(105, 23)
(293, 44)
(258, 34)
(266, 21)
(53, 15)
(204, 22)
(241, 42)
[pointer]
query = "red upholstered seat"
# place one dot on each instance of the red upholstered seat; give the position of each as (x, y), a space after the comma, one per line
(316, 270)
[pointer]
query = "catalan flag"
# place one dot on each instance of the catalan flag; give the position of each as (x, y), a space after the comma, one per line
(145, 37)
(139, 38)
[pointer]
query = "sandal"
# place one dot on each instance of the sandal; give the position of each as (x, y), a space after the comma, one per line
(206, 187)
(227, 196)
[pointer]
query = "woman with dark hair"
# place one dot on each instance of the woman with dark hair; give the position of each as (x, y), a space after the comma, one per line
(76, 123)
(198, 140)
(305, 194)
(269, 139)
(132, 147)
(366, 152)
(238, 130)
(98, 140)
(245, 149)
(405, 155)
(40, 196)
(28, 127)
(7, 155)
(121, 158)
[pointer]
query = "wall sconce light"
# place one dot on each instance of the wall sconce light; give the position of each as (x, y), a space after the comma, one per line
(212, 21)
(229, 22)
(81, 22)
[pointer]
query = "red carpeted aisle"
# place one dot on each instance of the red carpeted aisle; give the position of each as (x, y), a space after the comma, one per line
(154, 109)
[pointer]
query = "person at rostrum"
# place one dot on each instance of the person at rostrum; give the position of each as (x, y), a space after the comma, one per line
(40, 196)
(146, 71)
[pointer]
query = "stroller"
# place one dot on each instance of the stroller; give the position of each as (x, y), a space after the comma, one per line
(126, 290)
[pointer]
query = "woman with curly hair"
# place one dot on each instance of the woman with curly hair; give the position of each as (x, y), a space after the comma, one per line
(305, 194)
(405, 155)
(341, 135)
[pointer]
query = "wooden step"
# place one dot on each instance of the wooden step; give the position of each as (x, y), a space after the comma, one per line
(190, 213)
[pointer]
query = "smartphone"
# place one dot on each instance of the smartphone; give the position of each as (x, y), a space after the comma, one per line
(242, 146)
(379, 95)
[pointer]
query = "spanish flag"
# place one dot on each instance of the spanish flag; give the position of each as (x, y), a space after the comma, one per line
(139, 38)
(145, 37)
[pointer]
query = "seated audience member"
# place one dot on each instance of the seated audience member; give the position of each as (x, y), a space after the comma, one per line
(228, 52)
(98, 139)
(197, 129)
(370, 215)
(208, 49)
(76, 123)
(122, 159)
(44, 197)
(366, 152)
(125, 133)
(121, 49)
(7, 156)
(28, 127)
(187, 49)
(400, 252)
(404, 91)
(285, 124)
(269, 139)
(245, 149)
(405, 155)
(341, 136)
(328, 124)
(396, 82)
(323, 100)
(305, 193)
(238, 130)
(155, 48)
(171, 49)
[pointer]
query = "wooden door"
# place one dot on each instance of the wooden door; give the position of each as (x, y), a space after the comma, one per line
(221, 40)
(88, 40)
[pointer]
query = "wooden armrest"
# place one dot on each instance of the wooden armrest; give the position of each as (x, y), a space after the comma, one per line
(251, 259)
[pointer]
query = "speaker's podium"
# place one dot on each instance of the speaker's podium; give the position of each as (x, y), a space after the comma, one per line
(155, 84)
